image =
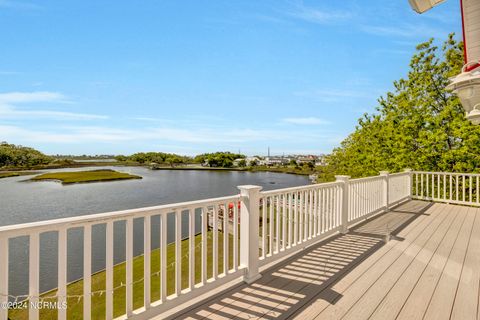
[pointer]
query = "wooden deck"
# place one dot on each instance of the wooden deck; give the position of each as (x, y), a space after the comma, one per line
(430, 269)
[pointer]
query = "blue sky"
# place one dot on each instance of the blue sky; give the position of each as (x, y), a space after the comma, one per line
(111, 77)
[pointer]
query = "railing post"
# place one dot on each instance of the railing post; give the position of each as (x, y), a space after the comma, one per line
(410, 182)
(345, 186)
(249, 231)
(386, 191)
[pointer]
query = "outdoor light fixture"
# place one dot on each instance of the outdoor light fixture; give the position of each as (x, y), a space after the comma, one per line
(467, 84)
(421, 6)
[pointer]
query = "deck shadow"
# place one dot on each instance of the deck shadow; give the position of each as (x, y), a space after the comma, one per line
(287, 288)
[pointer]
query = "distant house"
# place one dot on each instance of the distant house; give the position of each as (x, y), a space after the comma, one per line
(276, 161)
(251, 160)
(306, 159)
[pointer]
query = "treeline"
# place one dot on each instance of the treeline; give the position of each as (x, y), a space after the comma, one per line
(218, 159)
(155, 158)
(419, 125)
(19, 156)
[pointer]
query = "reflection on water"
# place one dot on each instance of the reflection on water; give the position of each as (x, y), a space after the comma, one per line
(22, 202)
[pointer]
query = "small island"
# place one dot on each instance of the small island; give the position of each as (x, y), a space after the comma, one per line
(85, 176)
(9, 174)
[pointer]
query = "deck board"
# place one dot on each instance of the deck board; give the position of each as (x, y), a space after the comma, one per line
(430, 269)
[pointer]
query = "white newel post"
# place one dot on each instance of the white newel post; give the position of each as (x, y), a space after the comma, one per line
(386, 200)
(249, 231)
(409, 183)
(345, 186)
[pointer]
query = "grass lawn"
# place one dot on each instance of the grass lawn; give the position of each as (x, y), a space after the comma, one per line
(85, 176)
(75, 305)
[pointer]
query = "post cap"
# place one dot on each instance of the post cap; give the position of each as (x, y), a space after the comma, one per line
(249, 187)
(384, 173)
(407, 170)
(342, 178)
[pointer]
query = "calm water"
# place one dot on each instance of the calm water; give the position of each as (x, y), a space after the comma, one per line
(22, 202)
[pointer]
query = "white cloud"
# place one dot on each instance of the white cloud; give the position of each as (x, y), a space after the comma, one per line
(336, 95)
(10, 110)
(98, 134)
(305, 121)
(36, 96)
(413, 30)
(319, 16)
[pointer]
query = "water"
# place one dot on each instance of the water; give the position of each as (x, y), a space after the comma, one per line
(22, 202)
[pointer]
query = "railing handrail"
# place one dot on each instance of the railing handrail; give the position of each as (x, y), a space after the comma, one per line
(299, 188)
(447, 173)
(54, 224)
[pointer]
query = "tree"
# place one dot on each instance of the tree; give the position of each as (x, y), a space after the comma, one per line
(218, 159)
(419, 125)
(18, 156)
(242, 163)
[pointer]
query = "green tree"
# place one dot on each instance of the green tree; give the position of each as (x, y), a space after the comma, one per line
(419, 125)
(18, 156)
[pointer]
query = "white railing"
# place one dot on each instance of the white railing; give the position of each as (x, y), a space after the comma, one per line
(172, 292)
(293, 217)
(459, 188)
(237, 236)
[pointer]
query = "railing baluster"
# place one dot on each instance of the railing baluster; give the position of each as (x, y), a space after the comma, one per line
(463, 188)
(456, 187)
(270, 226)
(416, 184)
(478, 198)
(33, 278)
(277, 225)
(290, 220)
(438, 186)
(422, 190)
(315, 213)
(322, 209)
(295, 220)
(225, 239)
(147, 248)
(4, 277)
(235, 235)
(178, 251)
(191, 253)
(62, 273)
(470, 186)
(433, 185)
(444, 186)
(264, 227)
(284, 221)
(87, 271)
(163, 256)
(204, 244)
(129, 266)
(109, 271)
(451, 187)
(301, 229)
(310, 214)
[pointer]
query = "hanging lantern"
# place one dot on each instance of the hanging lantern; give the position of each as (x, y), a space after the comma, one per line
(467, 86)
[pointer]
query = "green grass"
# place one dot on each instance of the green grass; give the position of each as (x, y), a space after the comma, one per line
(85, 176)
(75, 306)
